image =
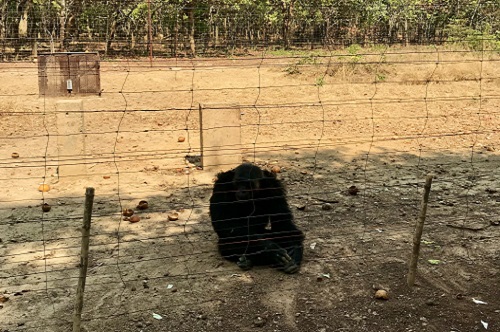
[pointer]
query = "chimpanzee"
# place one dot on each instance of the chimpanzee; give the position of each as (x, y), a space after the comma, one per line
(253, 221)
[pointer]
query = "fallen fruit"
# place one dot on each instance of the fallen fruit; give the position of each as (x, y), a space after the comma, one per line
(46, 207)
(353, 190)
(128, 212)
(173, 216)
(276, 169)
(143, 205)
(44, 188)
(134, 219)
(381, 294)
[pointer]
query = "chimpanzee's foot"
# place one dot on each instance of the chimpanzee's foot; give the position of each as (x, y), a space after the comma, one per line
(244, 263)
(287, 264)
(291, 268)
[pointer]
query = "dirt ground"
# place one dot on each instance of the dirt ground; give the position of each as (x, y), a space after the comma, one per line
(380, 121)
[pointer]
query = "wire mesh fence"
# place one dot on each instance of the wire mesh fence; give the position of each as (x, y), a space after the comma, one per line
(352, 133)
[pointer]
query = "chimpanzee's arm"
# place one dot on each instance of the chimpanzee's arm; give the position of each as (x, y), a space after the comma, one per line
(222, 197)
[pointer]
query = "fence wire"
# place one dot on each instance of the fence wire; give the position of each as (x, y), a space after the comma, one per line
(353, 133)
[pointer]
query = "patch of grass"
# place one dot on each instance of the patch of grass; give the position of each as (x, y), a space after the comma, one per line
(296, 53)
(320, 81)
(294, 68)
(354, 56)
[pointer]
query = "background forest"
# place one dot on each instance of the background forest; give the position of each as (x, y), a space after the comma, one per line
(208, 27)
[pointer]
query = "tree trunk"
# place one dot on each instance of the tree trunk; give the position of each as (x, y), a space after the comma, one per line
(22, 29)
(390, 32)
(34, 49)
(3, 21)
(150, 35)
(192, 42)
(287, 23)
(89, 30)
(405, 33)
(62, 24)
(70, 31)
(23, 24)
(326, 36)
(110, 35)
(62, 32)
(225, 34)
(216, 36)
(176, 36)
(16, 35)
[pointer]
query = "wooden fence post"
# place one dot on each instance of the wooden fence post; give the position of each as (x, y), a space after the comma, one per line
(417, 237)
(84, 259)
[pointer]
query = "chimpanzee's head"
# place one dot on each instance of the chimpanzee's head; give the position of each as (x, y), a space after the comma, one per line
(246, 180)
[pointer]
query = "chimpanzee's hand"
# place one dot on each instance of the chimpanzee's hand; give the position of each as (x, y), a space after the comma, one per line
(244, 263)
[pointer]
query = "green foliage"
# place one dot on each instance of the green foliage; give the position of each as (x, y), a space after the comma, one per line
(309, 60)
(282, 52)
(473, 39)
(379, 77)
(354, 56)
(141, 11)
(294, 68)
(320, 81)
(354, 49)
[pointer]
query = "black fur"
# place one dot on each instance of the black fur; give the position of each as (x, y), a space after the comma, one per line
(253, 221)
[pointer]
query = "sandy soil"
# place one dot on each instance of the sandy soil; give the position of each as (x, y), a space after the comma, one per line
(328, 125)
